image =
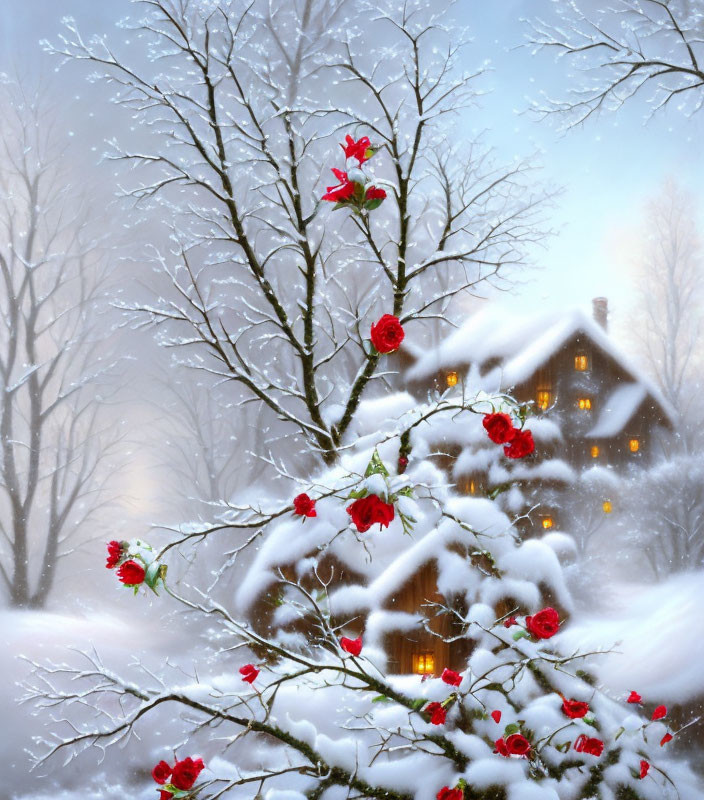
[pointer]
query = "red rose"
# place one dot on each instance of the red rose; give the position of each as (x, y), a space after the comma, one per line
(164, 795)
(186, 773)
(249, 673)
(544, 624)
(357, 149)
(499, 427)
(521, 445)
(585, 744)
(500, 748)
(510, 621)
(665, 739)
(436, 712)
(644, 767)
(375, 193)
(131, 573)
(387, 334)
(450, 794)
(451, 677)
(369, 510)
(304, 506)
(659, 712)
(342, 191)
(574, 708)
(496, 716)
(114, 554)
(161, 772)
(402, 464)
(634, 697)
(517, 745)
(352, 646)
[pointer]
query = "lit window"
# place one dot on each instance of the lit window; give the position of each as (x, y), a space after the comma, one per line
(547, 522)
(585, 403)
(423, 663)
(472, 487)
(543, 398)
(580, 362)
(634, 445)
(451, 379)
(594, 451)
(606, 505)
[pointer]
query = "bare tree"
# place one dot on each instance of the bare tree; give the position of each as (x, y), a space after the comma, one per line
(240, 121)
(51, 267)
(667, 318)
(625, 48)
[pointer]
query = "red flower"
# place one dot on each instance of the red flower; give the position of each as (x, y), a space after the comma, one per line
(369, 510)
(500, 748)
(659, 712)
(517, 745)
(249, 673)
(304, 506)
(544, 624)
(634, 697)
(186, 773)
(509, 622)
(387, 334)
(402, 464)
(451, 677)
(437, 713)
(357, 149)
(585, 744)
(352, 646)
(114, 554)
(668, 737)
(375, 193)
(161, 772)
(342, 191)
(499, 427)
(521, 445)
(450, 794)
(131, 573)
(644, 767)
(164, 795)
(574, 708)
(496, 716)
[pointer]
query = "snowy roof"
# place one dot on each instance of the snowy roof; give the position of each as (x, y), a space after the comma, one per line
(523, 343)
(619, 408)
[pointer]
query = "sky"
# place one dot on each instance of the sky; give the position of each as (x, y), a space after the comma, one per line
(607, 169)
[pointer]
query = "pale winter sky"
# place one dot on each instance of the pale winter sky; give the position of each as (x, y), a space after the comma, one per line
(608, 168)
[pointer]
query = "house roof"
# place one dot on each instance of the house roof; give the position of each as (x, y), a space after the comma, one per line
(524, 343)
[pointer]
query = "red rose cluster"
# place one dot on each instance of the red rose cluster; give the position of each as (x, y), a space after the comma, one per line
(353, 188)
(517, 442)
(387, 334)
(369, 510)
(450, 794)
(130, 572)
(180, 777)
(513, 745)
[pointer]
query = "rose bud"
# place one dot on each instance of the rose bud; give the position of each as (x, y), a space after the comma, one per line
(436, 712)
(574, 709)
(304, 506)
(634, 697)
(451, 677)
(131, 573)
(496, 716)
(249, 673)
(659, 713)
(351, 646)
(668, 737)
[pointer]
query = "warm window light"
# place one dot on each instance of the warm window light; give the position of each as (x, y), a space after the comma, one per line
(472, 487)
(606, 505)
(547, 522)
(580, 363)
(452, 379)
(423, 663)
(594, 451)
(634, 445)
(543, 398)
(585, 403)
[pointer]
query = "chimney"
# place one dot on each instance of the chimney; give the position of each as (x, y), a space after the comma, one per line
(601, 311)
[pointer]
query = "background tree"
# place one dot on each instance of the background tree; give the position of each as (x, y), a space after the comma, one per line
(52, 268)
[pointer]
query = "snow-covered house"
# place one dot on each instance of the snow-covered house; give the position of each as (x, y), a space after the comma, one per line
(596, 407)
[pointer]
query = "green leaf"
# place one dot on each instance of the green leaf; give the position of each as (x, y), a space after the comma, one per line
(376, 466)
(370, 205)
(156, 572)
(509, 730)
(590, 721)
(381, 698)
(357, 494)
(520, 635)
(619, 732)
(564, 747)
(418, 704)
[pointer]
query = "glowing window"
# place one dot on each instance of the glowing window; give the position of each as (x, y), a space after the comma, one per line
(543, 398)
(606, 505)
(634, 445)
(548, 522)
(451, 379)
(594, 452)
(423, 663)
(580, 362)
(472, 487)
(585, 403)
